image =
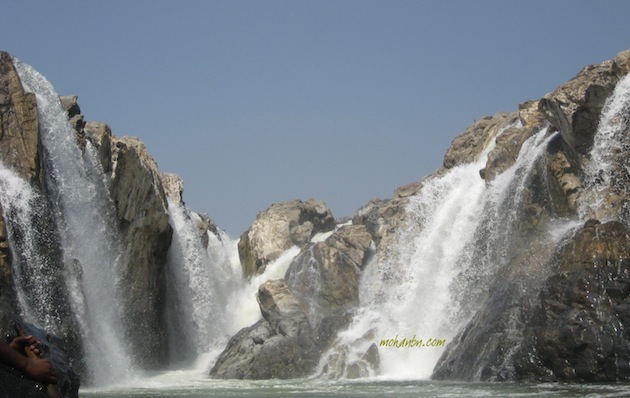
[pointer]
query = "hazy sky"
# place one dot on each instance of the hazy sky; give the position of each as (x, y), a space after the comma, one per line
(256, 102)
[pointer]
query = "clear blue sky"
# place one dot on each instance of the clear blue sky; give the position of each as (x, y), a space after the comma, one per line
(256, 102)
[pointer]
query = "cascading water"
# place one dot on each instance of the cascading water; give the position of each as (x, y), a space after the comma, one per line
(208, 299)
(435, 275)
(200, 282)
(33, 270)
(90, 244)
(607, 175)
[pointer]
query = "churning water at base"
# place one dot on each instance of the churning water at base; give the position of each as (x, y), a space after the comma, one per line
(169, 386)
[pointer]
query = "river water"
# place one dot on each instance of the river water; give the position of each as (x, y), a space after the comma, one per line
(168, 385)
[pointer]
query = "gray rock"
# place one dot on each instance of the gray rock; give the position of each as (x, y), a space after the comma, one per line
(281, 345)
(293, 334)
(279, 228)
(573, 329)
(511, 138)
(70, 104)
(467, 147)
(142, 214)
(325, 276)
(100, 134)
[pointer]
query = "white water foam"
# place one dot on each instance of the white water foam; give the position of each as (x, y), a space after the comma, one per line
(608, 172)
(429, 284)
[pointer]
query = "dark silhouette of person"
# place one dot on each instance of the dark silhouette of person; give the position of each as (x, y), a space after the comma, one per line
(35, 368)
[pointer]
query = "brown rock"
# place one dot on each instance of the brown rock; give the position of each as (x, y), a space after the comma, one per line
(19, 126)
(142, 213)
(574, 108)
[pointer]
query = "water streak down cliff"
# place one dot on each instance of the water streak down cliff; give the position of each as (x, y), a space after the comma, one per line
(494, 253)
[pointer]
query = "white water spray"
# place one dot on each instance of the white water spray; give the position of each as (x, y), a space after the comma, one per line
(33, 272)
(208, 298)
(608, 172)
(199, 283)
(91, 246)
(429, 285)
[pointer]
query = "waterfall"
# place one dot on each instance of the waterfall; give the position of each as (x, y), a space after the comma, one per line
(607, 175)
(90, 244)
(439, 267)
(208, 300)
(33, 270)
(200, 281)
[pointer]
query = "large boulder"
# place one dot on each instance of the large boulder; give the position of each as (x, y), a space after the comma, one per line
(290, 339)
(282, 345)
(574, 108)
(279, 228)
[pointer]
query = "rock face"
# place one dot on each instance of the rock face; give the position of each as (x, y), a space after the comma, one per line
(139, 198)
(572, 330)
(19, 126)
(574, 108)
(279, 228)
(325, 276)
(280, 346)
(142, 213)
(301, 313)
(578, 330)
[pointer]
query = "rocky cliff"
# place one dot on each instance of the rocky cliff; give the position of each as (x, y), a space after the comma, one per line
(553, 312)
(559, 313)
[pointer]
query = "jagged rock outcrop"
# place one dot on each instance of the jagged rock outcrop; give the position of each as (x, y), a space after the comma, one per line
(293, 334)
(139, 199)
(467, 147)
(279, 228)
(101, 136)
(19, 126)
(173, 187)
(514, 130)
(574, 108)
